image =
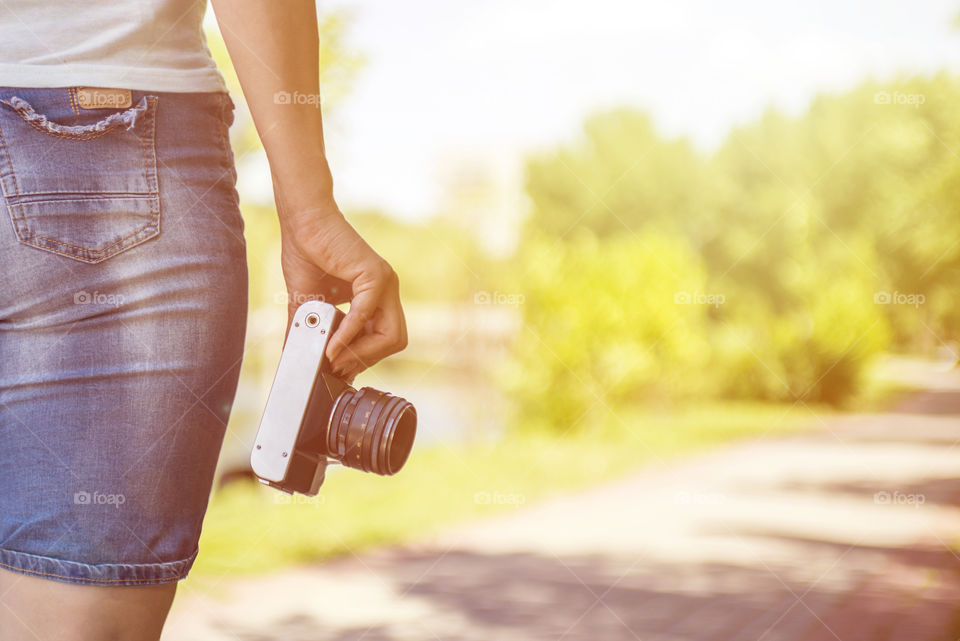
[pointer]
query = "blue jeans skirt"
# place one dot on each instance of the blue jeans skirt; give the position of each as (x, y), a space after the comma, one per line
(123, 302)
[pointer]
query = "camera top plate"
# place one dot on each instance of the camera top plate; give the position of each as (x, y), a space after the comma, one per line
(283, 415)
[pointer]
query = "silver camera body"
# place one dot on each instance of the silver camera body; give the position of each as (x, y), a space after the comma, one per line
(313, 416)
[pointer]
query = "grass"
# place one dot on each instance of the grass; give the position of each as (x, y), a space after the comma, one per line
(250, 528)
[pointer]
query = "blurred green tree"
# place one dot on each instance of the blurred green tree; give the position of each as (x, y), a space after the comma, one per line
(828, 237)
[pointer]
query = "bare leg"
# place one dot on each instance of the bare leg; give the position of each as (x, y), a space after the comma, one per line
(35, 609)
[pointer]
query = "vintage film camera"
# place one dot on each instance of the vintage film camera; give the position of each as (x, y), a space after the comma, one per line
(312, 415)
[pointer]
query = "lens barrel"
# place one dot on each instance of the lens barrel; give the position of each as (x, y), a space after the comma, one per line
(371, 430)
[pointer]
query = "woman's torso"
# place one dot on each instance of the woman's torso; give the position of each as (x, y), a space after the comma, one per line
(155, 45)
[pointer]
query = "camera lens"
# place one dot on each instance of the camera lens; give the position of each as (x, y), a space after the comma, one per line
(371, 430)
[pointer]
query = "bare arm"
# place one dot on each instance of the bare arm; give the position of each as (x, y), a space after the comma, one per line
(274, 48)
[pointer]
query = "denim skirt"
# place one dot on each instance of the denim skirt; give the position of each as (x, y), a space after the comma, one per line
(123, 302)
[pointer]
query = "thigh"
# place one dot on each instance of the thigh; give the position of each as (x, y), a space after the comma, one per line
(120, 347)
(33, 609)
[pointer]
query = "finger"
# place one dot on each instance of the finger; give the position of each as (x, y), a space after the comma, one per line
(365, 351)
(289, 325)
(349, 370)
(388, 336)
(362, 308)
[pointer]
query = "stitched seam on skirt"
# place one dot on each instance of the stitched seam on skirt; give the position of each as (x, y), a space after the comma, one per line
(86, 249)
(6, 152)
(17, 568)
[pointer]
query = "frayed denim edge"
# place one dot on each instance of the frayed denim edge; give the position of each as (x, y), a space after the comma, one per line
(118, 574)
(128, 118)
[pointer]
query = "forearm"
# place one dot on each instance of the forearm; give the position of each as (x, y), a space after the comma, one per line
(274, 48)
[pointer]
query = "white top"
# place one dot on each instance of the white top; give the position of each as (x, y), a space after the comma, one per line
(150, 45)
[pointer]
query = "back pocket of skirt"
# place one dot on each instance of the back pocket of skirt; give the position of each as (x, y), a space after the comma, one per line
(86, 192)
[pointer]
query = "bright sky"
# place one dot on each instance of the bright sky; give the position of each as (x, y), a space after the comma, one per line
(490, 80)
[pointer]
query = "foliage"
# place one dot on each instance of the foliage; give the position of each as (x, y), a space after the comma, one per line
(811, 244)
(602, 328)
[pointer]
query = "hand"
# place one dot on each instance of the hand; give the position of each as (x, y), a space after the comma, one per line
(322, 255)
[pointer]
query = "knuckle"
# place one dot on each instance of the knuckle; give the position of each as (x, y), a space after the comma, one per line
(386, 272)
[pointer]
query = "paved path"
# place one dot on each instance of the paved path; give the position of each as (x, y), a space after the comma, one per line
(842, 534)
